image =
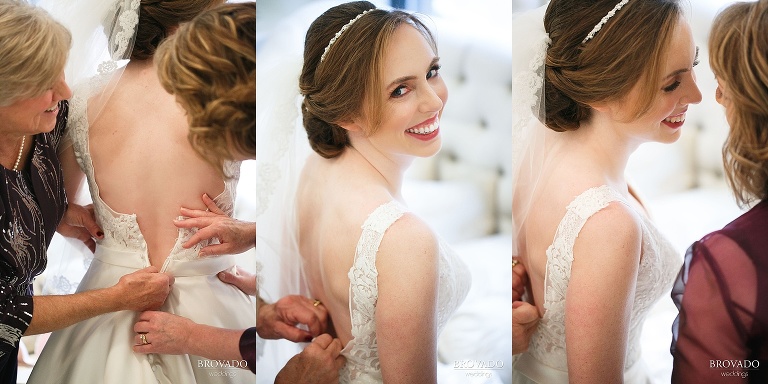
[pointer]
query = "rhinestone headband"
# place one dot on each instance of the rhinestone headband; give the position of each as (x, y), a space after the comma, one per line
(338, 34)
(605, 19)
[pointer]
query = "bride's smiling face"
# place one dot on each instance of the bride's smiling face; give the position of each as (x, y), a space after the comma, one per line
(413, 94)
(676, 91)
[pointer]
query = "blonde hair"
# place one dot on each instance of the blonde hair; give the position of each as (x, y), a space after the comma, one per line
(346, 84)
(738, 55)
(33, 51)
(210, 65)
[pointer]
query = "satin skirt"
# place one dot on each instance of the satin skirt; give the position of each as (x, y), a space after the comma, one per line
(99, 350)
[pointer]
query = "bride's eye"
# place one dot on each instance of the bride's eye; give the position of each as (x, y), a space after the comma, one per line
(696, 58)
(400, 91)
(672, 86)
(434, 71)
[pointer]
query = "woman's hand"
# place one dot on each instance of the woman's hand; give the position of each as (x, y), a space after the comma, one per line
(79, 222)
(145, 289)
(318, 363)
(525, 318)
(164, 332)
(278, 320)
(242, 279)
(519, 280)
(235, 236)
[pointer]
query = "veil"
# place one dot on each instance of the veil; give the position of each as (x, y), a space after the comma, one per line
(103, 34)
(530, 138)
(281, 148)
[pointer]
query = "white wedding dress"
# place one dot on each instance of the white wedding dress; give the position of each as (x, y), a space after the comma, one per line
(361, 352)
(99, 350)
(545, 361)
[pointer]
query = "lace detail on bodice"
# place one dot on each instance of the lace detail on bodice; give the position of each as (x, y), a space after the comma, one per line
(121, 230)
(659, 264)
(362, 351)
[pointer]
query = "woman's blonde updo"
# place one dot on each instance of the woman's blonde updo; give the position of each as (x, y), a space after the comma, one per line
(738, 55)
(210, 65)
(346, 84)
(629, 48)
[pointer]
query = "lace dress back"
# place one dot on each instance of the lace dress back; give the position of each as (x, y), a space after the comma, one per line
(545, 361)
(121, 230)
(99, 350)
(361, 352)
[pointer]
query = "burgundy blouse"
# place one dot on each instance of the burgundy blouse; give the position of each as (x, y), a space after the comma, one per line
(32, 202)
(721, 333)
(248, 347)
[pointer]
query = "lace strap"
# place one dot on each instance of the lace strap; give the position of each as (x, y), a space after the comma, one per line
(560, 253)
(363, 287)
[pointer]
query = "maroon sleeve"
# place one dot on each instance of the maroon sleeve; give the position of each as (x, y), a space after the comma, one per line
(248, 347)
(717, 310)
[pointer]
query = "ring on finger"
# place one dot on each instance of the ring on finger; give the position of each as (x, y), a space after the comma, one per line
(143, 337)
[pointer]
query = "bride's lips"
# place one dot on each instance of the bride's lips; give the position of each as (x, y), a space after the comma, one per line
(427, 130)
(675, 121)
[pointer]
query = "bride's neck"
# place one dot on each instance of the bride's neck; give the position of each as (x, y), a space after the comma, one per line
(141, 65)
(389, 167)
(606, 147)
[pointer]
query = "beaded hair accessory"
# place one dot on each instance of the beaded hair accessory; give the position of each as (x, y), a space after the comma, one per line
(605, 19)
(338, 34)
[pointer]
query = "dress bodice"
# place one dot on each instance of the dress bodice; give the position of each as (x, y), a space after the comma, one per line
(659, 263)
(361, 352)
(121, 230)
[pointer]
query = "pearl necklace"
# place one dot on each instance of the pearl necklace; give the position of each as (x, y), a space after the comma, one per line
(21, 150)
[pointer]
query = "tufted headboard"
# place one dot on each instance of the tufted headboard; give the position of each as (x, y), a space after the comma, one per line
(476, 125)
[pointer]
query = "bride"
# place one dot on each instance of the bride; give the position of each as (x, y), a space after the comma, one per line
(129, 137)
(372, 101)
(612, 74)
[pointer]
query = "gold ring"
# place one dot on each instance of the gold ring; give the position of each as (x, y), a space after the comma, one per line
(143, 337)
(515, 263)
(316, 303)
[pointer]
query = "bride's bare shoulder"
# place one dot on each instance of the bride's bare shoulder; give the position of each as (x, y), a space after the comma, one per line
(409, 241)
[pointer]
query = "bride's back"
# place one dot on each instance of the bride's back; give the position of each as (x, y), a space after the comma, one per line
(143, 163)
(334, 199)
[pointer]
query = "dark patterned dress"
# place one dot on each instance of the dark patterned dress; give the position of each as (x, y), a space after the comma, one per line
(32, 202)
(721, 333)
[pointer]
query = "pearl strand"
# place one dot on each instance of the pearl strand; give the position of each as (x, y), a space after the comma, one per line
(21, 150)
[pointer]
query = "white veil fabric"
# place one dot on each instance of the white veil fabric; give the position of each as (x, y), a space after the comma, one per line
(281, 149)
(103, 34)
(531, 138)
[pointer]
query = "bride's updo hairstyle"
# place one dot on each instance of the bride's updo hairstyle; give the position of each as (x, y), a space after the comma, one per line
(738, 55)
(343, 83)
(158, 19)
(628, 48)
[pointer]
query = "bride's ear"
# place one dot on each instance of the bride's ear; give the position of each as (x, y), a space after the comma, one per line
(352, 125)
(602, 107)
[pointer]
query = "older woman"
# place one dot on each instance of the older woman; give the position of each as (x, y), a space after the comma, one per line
(33, 113)
(720, 334)
(210, 65)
